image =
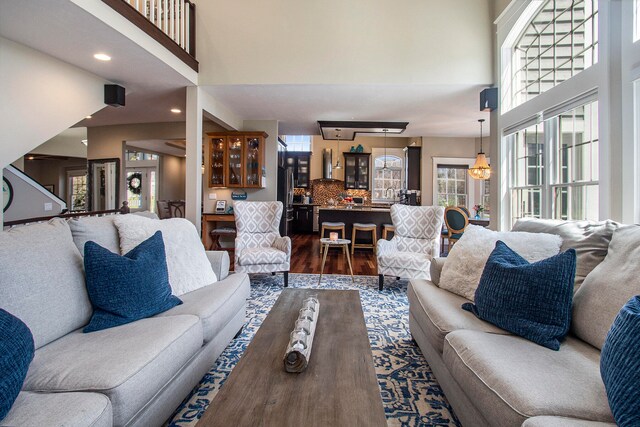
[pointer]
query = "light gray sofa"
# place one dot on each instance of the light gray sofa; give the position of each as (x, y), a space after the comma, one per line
(132, 375)
(494, 378)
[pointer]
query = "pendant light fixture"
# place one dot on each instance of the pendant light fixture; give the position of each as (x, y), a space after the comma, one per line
(480, 169)
(338, 166)
(384, 165)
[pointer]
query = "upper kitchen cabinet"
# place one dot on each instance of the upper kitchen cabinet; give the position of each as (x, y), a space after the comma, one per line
(236, 159)
(300, 163)
(357, 171)
(412, 171)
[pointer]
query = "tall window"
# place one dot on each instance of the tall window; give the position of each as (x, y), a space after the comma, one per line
(560, 41)
(527, 172)
(636, 20)
(452, 185)
(298, 142)
(554, 167)
(77, 190)
(387, 182)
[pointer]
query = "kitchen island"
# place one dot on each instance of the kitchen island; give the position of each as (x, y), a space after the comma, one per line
(364, 214)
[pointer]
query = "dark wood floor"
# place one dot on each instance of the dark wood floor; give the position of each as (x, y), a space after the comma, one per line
(305, 258)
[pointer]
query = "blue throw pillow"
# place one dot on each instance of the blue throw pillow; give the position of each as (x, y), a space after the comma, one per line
(620, 365)
(16, 353)
(532, 300)
(123, 289)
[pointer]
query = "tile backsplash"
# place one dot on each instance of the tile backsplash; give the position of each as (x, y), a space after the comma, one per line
(322, 191)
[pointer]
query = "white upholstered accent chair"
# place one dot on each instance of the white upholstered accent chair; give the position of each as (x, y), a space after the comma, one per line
(415, 242)
(259, 247)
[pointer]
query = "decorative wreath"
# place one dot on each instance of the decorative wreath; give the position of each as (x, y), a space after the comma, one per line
(134, 182)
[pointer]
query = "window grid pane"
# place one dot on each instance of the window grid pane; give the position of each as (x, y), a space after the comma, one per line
(387, 182)
(452, 186)
(559, 42)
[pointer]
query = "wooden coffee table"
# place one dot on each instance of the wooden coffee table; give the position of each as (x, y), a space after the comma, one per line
(338, 388)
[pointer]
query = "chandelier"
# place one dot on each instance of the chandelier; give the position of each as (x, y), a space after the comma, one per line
(337, 166)
(481, 169)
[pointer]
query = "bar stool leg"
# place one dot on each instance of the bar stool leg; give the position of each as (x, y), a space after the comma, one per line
(321, 236)
(375, 240)
(353, 240)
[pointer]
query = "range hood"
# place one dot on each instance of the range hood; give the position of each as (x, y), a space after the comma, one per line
(327, 168)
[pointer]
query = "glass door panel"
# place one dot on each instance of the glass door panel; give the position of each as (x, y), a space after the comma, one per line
(363, 172)
(135, 189)
(252, 162)
(216, 177)
(303, 171)
(234, 165)
(349, 172)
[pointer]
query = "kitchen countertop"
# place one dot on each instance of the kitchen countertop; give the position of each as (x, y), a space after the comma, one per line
(356, 208)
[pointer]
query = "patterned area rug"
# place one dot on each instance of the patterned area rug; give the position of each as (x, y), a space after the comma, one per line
(410, 392)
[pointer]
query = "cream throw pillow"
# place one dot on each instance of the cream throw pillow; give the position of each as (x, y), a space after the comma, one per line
(189, 268)
(465, 262)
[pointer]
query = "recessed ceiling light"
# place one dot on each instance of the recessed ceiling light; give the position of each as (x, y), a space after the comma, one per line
(30, 158)
(88, 117)
(176, 110)
(102, 57)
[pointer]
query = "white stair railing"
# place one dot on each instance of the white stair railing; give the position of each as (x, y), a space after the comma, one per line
(173, 17)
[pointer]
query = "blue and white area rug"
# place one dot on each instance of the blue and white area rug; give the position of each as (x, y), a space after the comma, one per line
(410, 392)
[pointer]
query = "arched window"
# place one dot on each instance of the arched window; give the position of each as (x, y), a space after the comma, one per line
(387, 182)
(556, 40)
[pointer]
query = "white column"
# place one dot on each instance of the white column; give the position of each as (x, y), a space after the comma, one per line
(193, 191)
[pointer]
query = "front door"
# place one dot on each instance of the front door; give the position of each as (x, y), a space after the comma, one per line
(142, 188)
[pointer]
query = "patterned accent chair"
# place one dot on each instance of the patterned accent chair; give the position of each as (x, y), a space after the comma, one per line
(415, 242)
(259, 247)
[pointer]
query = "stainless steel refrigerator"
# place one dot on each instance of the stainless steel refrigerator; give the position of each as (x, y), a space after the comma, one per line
(285, 195)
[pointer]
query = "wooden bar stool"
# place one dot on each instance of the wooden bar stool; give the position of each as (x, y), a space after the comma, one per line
(358, 226)
(386, 228)
(332, 226)
(219, 232)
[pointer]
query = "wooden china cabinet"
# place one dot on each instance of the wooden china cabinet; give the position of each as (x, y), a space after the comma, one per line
(236, 159)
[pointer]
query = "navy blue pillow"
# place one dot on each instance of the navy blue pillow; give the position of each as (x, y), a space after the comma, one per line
(123, 289)
(532, 300)
(16, 353)
(620, 365)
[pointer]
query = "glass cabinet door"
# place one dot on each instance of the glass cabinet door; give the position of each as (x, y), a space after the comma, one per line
(363, 173)
(252, 162)
(216, 167)
(349, 171)
(234, 163)
(303, 171)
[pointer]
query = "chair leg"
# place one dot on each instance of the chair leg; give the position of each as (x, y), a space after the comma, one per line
(273, 273)
(239, 332)
(380, 281)
(321, 236)
(286, 279)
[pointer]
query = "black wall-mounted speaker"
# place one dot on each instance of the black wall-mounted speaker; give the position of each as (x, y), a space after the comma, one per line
(114, 95)
(489, 99)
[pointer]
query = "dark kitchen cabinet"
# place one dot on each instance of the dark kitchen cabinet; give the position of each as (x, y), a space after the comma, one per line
(303, 219)
(300, 162)
(357, 171)
(412, 171)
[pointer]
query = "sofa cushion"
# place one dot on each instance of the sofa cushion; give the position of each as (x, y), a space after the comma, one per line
(461, 273)
(589, 239)
(215, 304)
(546, 421)
(123, 289)
(608, 287)
(98, 229)
(532, 300)
(257, 256)
(128, 364)
(435, 269)
(42, 279)
(60, 409)
(620, 365)
(16, 352)
(438, 312)
(512, 379)
(189, 268)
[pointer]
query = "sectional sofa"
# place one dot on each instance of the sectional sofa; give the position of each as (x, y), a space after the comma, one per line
(494, 378)
(132, 375)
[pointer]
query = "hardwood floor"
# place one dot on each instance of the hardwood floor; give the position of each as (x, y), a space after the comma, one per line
(305, 258)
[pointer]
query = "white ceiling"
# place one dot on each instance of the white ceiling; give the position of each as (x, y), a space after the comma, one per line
(63, 30)
(157, 146)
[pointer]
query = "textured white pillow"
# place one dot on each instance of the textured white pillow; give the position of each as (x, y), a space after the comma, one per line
(465, 262)
(189, 268)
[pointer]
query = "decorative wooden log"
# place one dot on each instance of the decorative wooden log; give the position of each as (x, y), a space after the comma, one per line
(296, 359)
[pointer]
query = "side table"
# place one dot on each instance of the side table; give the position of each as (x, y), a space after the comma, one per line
(326, 244)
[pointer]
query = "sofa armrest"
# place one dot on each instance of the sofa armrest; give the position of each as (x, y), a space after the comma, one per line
(436, 269)
(219, 262)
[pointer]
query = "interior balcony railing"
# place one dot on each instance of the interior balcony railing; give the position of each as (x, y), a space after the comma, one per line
(170, 22)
